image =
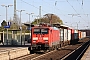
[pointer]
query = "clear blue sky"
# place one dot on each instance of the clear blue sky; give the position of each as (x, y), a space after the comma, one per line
(59, 7)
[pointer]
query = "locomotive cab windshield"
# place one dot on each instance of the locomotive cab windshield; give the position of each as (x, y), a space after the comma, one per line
(40, 37)
(40, 31)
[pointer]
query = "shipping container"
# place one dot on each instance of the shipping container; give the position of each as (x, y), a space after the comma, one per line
(69, 34)
(76, 34)
(87, 32)
(83, 34)
(72, 34)
(65, 35)
(62, 34)
(79, 34)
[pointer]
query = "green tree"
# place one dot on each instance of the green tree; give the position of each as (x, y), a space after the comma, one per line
(46, 19)
(4, 23)
(14, 26)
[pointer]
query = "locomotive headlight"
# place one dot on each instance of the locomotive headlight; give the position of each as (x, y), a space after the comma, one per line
(34, 41)
(46, 41)
(35, 38)
(45, 38)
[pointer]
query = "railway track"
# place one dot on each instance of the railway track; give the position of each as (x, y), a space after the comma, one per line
(78, 53)
(32, 56)
(26, 57)
(64, 53)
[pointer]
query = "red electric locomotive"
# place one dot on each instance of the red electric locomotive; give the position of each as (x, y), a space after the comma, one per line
(44, 37)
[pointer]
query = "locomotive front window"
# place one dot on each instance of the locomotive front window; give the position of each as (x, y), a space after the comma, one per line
(40, 31)
(44, 31)
(36, 31)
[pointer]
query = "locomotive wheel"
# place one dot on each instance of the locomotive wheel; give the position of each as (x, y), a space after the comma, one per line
(61, 44)
(57, 47)
(53, 48)
(29, 48)
(31, 52)
(50, 48)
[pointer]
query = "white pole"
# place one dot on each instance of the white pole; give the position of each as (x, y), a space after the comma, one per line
(3, 37)
(20, 29)
(6, 18)
(12, 34)
(29, 23)
(7, 23)
(20, 26)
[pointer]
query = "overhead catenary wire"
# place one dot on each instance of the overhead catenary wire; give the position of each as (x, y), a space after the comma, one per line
(83, 10)
(38, 8)
(29, 4)
(32, 5)
(73, 8)
(81, 7)
(42, 9)
(82, 2)
(54, 5)
(59, 10)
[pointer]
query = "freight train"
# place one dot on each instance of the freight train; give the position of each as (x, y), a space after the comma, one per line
(46, 37)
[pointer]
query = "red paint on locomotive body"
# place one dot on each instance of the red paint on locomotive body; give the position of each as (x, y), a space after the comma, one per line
(44, 36)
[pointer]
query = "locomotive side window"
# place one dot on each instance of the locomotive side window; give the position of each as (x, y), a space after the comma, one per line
(36, 31)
